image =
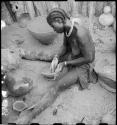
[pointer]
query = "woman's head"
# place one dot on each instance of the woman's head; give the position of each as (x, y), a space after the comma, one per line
(57, 18)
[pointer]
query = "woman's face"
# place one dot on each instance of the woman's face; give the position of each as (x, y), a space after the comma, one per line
(58, 25)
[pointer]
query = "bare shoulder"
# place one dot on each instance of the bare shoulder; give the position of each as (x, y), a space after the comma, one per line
(84, 35)
(82, 31)
(85, 38)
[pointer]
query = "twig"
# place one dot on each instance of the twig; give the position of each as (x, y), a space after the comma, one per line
(82, 119)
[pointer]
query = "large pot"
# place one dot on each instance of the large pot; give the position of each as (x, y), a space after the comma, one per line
(106, 19)
(41, 30)
(17, 88)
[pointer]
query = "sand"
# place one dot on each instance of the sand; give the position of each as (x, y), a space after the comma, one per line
(73, 104)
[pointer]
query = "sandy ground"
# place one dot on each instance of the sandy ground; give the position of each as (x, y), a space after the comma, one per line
(73, 104)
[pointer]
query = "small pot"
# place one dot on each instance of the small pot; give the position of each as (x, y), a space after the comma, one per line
(19, 106)
(106, 19)
(107, 9)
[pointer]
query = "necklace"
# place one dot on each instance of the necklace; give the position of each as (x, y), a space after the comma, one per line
(70, 31)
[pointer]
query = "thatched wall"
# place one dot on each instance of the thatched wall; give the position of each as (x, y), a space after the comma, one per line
(36, 8)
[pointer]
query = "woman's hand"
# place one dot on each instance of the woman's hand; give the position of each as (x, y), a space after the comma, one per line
(60, 67)
(58, 70)
(54, 64)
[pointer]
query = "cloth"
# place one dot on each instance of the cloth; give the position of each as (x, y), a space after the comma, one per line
(57, 13)
(85, 73)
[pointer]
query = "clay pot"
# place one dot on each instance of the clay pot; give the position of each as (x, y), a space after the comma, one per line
(106, 19)
(41, 30)
(18, 88)
(107, 9)
(19, 106)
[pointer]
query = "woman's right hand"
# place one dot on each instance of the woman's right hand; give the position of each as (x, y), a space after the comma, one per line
(54, 64)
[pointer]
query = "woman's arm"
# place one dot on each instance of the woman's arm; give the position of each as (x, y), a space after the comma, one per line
(63, 49)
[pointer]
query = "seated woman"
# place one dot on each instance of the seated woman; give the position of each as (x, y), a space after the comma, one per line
(78, 51)
(77, 54)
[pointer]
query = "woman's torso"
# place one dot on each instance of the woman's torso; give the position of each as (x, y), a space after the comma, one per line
(72, 44)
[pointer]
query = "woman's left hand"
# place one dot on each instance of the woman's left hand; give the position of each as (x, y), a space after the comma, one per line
(60, 67)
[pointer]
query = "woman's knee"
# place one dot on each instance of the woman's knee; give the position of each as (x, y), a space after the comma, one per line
(66, 81)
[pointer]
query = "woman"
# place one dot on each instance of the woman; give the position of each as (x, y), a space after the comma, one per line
(75, 58)
(78, 51)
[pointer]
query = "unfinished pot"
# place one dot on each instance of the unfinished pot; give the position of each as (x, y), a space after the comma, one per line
(41, 30)
(18, 88)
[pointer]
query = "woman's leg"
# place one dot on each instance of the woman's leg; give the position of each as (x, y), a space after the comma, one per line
(70, 78)
(49, 97)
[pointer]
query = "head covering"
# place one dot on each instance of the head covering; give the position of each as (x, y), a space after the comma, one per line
(57, 13)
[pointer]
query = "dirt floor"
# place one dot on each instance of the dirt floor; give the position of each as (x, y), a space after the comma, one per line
(73, 104)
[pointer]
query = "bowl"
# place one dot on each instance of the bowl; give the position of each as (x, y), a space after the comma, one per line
(19, 106)
(41, 30)
(48, 75)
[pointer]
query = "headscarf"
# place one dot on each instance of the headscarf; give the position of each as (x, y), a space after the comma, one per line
(57, 13)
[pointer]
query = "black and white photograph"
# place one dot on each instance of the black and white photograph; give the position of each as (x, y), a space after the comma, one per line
(58, 62)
